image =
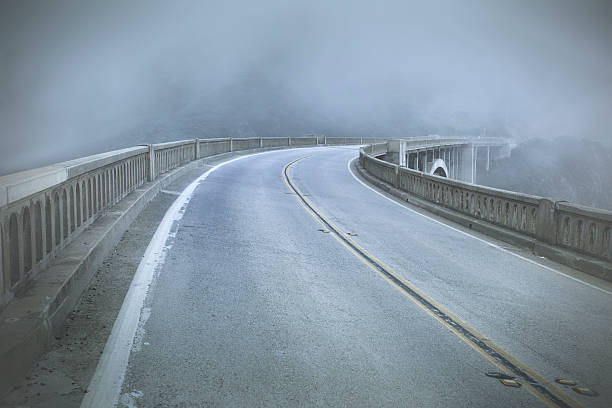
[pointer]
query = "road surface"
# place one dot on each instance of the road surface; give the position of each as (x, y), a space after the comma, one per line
(254, 302)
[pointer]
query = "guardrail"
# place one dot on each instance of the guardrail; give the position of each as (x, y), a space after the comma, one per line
(42, 210)
(580, 229)
(583, 229)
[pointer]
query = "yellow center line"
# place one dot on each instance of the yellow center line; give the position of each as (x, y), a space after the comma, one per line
(533, 381)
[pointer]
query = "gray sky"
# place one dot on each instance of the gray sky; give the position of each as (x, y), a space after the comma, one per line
(79, 77)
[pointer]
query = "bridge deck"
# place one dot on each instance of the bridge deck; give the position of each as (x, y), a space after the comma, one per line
(253, 302)
(254, 305)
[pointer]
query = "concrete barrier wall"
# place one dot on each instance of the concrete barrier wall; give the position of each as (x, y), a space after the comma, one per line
(335, 141)
(559, 224)
(343, 141)
(382, 170)
(303, 141)
(211, 147)
(514, 211)
(583, 229)
(245, 144)
(374, 150)
(169, 156)
(267, 142)
(42, 210)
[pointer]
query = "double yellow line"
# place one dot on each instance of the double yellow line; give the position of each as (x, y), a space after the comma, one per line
(534, 382)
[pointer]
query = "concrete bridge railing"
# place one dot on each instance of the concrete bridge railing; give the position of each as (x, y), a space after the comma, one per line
(582, 229)
(43, 210)
(557, 224)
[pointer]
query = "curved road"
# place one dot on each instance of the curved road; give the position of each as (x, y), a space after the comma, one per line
(255, 303)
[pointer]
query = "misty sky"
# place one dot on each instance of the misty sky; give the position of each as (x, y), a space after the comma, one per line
(79, 77)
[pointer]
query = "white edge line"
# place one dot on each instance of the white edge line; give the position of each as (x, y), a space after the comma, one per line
(473, 236)
(105, 386)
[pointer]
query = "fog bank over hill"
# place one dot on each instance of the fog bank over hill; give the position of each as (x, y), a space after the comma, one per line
(80, 77)
(575, 170)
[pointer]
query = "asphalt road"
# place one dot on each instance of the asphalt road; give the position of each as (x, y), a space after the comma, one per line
(253, 305)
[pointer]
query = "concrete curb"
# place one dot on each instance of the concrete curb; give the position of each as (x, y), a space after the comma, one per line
(563, 256)
(28, 323)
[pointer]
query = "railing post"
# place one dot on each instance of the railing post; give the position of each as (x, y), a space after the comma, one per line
(396, 180)
(151, 162)
(546, 221)
(260, 143)
(289, 141)
(197, 148)
(231, 144)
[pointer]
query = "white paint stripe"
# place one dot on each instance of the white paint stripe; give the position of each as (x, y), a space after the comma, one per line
(475, 237)
(105, 386)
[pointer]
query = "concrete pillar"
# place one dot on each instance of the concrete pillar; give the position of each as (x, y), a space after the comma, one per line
(151, 161)
(456, 163)
(197, 149)
(231, 144)
(423, 161)
(465, 165)
(475, 163)
(260, 142)
(447, 161)
(488, 156)
(546, 222)
(417, 161)
(396, 182)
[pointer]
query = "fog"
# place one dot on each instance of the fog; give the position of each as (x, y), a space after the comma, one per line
(80, 77)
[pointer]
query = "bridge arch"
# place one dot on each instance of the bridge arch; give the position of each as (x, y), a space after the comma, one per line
(438, 168)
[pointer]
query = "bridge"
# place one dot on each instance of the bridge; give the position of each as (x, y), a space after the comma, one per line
(304, 271)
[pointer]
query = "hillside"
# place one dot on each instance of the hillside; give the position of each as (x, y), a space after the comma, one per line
(576, 170)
